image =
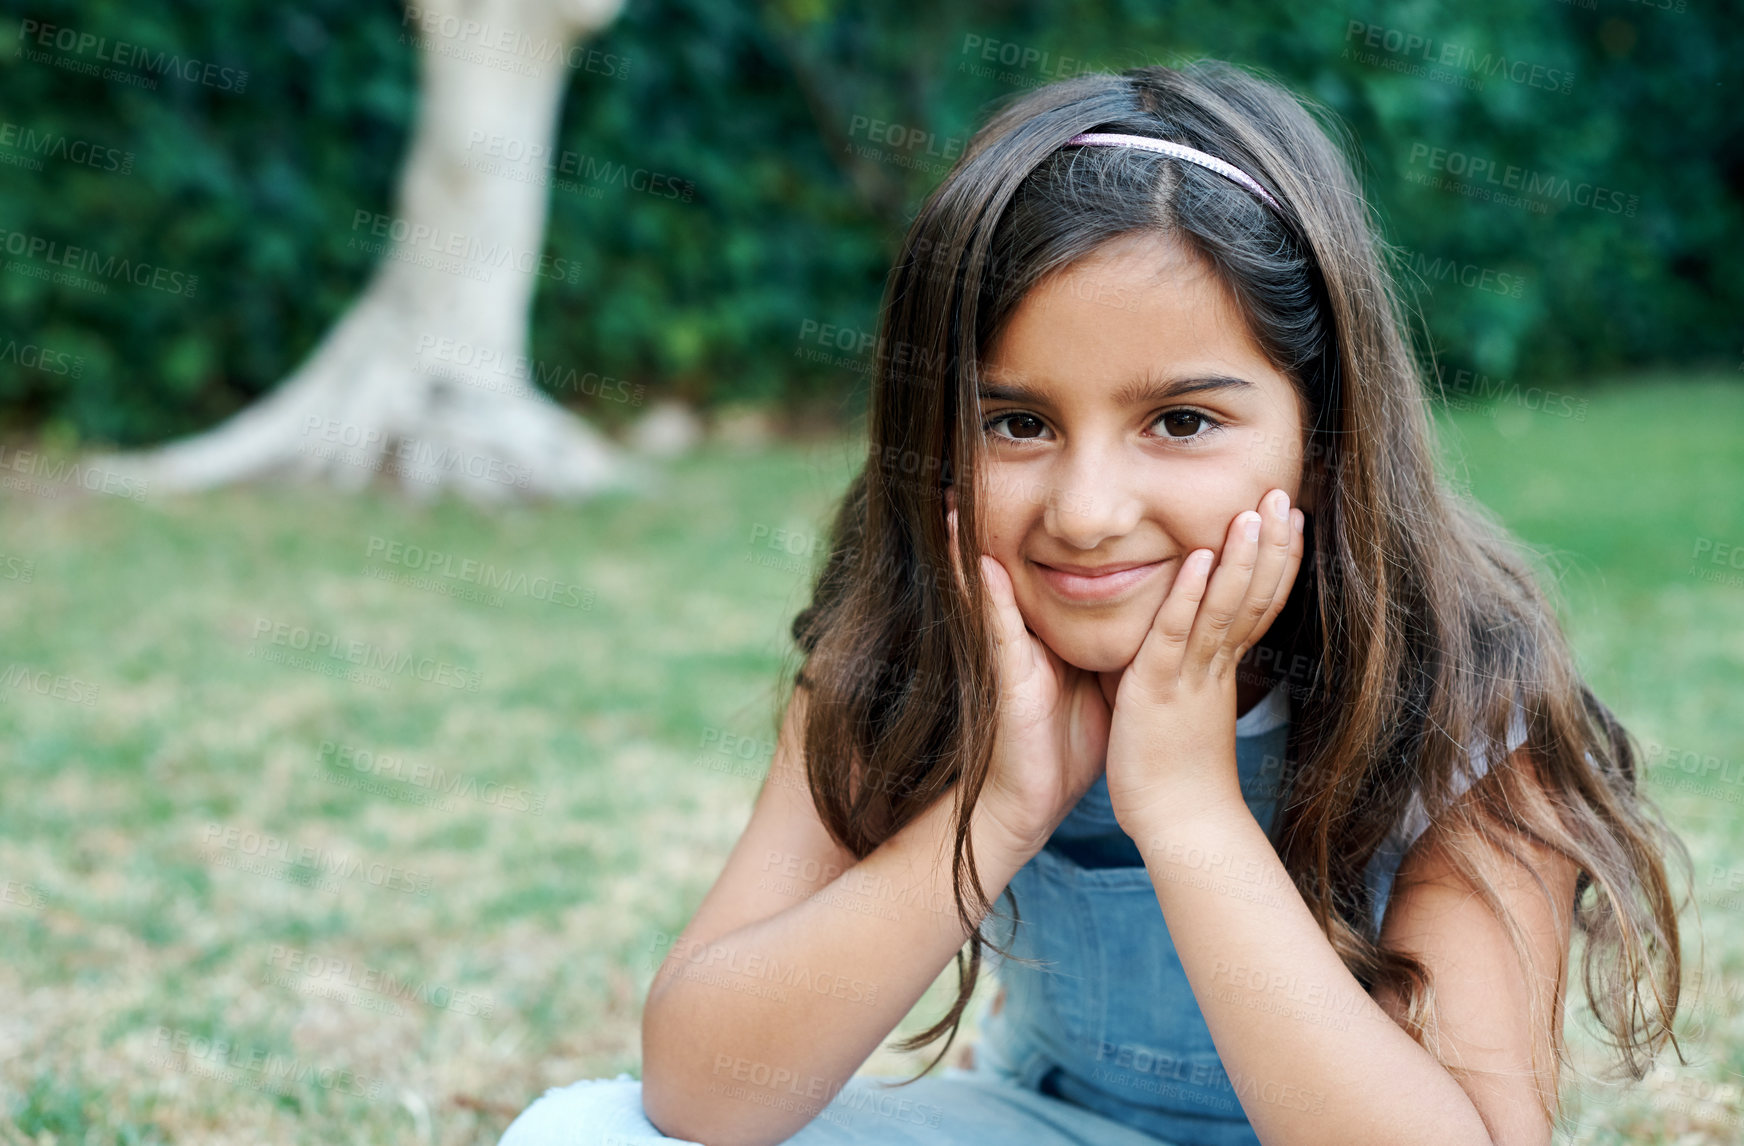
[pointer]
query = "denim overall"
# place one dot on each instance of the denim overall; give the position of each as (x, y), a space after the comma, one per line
(1114, 1026)
(1106, 1048)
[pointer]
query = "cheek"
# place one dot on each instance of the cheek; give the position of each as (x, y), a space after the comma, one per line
(1003, 540)
(1203, 505)
(1276, 457)
(1003, 525)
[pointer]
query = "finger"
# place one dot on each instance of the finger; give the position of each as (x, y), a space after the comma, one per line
(1229, 586)
(1026, 665)
(1292, 566)
(1008, 619)
(1002, 613)
(1277, 539)
(1159, 657)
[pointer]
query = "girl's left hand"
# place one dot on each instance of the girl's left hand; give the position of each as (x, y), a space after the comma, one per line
(1171, 743)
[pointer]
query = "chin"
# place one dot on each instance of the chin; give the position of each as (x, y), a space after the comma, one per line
(1094, 651)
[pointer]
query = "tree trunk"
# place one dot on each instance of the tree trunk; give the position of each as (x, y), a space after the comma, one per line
(427, 377)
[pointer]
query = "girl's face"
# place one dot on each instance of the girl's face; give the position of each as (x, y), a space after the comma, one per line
(1128, 417)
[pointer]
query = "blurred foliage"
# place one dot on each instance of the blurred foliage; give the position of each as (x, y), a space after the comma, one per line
(796, 200)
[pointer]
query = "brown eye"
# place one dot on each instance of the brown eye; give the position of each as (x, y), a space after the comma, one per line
(1184, 420)
(1032, 426)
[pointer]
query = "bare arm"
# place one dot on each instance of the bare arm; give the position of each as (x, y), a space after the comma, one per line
(799, 963)
(1317, 1061)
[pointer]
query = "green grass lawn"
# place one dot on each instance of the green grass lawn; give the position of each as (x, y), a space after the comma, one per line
(487, 873)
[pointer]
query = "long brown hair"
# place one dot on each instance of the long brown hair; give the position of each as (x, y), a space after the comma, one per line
(1419, 617)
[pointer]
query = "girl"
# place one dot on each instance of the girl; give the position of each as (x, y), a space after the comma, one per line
(1150, 617)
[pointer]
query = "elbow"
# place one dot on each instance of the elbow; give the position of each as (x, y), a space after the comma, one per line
(667, 1111)
(683, 1098)
(670, 1122)
(667, 1095)
(676, 1118)
(675, 1108)
(680, 1106)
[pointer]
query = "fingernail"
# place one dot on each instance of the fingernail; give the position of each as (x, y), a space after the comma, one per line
(1298, 517)
(1280, 505)
(1250, 525)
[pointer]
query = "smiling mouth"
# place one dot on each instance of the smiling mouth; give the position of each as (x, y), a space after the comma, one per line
(1099, 586)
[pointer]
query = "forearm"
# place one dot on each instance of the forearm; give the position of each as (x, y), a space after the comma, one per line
(1313, 1059)
(731, 1056)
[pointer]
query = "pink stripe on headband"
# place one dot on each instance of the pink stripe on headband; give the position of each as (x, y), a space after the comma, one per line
(1178, 151)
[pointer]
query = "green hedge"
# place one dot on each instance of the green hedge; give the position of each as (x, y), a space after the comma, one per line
(222, 200)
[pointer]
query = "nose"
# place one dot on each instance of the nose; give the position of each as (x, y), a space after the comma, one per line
(1090, 498)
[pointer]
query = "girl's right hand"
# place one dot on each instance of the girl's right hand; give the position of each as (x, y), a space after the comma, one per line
(1051, 741)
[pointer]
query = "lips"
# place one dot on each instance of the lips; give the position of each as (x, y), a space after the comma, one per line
(1080, 583)
(1095, 570)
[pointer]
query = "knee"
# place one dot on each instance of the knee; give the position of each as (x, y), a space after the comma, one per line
(592, 1112)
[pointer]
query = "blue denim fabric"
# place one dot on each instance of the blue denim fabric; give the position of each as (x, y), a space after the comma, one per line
(1104, 1045)
(1112, 1024)
(954, 1108)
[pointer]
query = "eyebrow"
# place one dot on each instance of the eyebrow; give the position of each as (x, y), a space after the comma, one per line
(1143, 390)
